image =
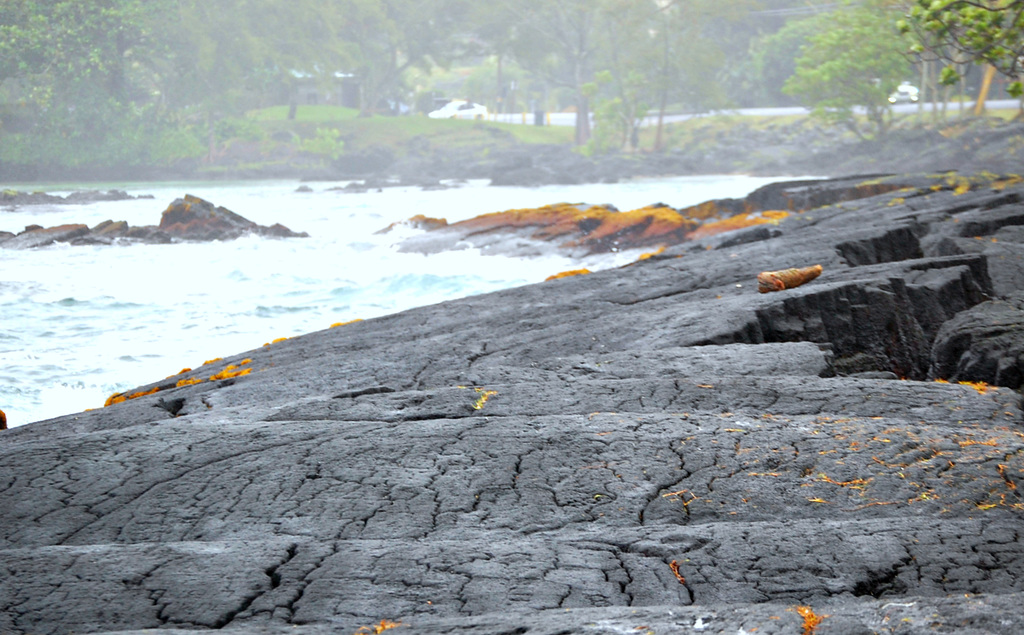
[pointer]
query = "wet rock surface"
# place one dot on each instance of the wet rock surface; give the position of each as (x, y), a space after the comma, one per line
(653, 448)
(188, 218)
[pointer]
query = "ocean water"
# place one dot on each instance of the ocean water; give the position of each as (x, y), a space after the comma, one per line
(80, 323)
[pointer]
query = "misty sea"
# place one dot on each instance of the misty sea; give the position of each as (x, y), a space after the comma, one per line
(78, 323)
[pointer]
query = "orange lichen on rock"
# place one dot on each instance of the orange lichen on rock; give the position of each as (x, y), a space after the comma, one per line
(739, 221)
(484, 396)
(119, 397)
(713, 209)
(768, 281)
(811, 620)
(231, 371)
(337, 324)
(212, 361)
(641, 225)
(113, 399)
(651, 254)
(377, 629)
(188, 382)
(568, 274)
(597, 226)
(980, 386)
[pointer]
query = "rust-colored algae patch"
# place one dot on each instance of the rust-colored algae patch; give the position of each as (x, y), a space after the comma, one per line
(568, 274)
(739, 221)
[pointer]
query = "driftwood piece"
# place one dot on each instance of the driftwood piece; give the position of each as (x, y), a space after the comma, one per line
(768, 281)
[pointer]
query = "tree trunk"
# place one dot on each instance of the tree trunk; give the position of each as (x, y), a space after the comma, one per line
(501, 88)
(659, 142)
(211, 137)
(582, 119)
(293, 104)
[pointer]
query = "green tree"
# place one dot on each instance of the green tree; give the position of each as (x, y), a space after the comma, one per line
(857, 61)
(224, 54)
(979, 31)
(391, 37)
(557, 40)
(687, 58)
(84, 69)
(773, 58)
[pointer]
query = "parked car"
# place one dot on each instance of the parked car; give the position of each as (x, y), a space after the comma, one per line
(460, 109)
(906, 93)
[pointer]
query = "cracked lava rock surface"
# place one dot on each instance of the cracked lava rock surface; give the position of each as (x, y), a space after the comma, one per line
(652, 449)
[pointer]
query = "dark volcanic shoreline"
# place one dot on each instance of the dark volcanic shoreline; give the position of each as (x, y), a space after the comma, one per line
(653, 448)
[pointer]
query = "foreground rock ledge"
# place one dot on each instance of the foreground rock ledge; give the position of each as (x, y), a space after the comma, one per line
(656, 446)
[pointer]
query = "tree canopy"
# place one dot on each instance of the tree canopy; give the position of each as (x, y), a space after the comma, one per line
(978, 31)
(143, 81)
(834, 77)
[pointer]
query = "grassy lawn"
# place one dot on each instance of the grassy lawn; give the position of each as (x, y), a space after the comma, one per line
(400, 133)
(397, 132)
(305, 113)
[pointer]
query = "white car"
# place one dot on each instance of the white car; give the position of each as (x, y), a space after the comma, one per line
(460, 109)
(906, 93)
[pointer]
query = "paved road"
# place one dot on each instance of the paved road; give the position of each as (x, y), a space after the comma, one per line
(569, 118)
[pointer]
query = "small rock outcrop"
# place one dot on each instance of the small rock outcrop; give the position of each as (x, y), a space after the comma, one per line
(580, 229)
(192, 218)
(188, 218)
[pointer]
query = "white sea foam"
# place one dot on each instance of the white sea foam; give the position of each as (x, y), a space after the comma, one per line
(79, 323)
